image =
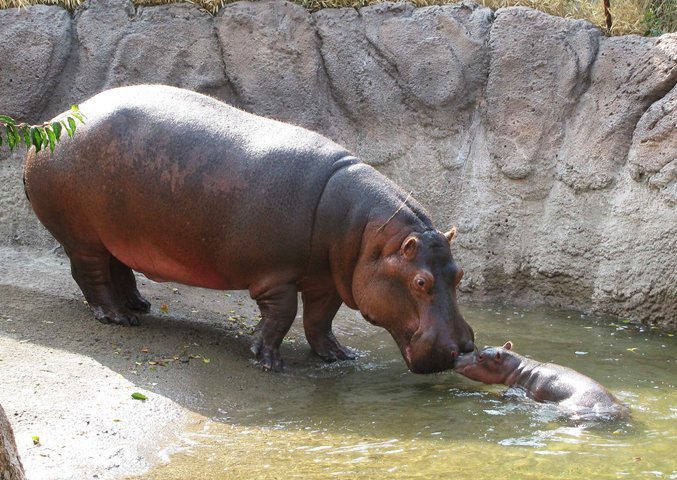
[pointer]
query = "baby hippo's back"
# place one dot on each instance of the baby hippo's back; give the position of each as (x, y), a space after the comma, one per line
(574, 392)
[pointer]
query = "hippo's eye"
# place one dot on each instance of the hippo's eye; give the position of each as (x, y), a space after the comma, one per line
(423, 282)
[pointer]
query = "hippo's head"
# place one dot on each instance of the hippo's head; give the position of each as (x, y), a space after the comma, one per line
(492, 365)
(408, 286)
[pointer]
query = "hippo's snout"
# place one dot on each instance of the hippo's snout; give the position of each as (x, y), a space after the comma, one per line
(467, 343)
(426, 352)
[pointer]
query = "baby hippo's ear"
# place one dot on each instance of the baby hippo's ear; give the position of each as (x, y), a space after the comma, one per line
(508, 345)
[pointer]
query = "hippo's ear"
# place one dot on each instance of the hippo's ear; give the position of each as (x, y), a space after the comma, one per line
(451, 234)
(409, 247)
(508, 345)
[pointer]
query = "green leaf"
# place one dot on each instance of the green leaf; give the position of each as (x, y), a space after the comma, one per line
(17, 136)
(71, 123)
(26, 131)
(67, 127)
(43, 134)
(139, 396)
(7, 120)
(11, 139)
(75, 112)
(79, 116)
(52, 138)
(37, 139)
(56, 126)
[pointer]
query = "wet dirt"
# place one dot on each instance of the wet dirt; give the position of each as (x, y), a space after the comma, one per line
(69, 379)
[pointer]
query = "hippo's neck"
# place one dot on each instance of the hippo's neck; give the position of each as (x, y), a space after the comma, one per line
(524, 373)
(360, 211)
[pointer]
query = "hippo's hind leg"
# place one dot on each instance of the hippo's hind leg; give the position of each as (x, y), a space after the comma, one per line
(91, 270)
(125, 283)
(278, 307)
(319, 309)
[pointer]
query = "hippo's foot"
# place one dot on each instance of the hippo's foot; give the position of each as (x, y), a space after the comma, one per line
(124, 282)
(319, 308)
(114, 315)
(108, 285)
(278, 309)
(138, 304)
(329, 349)
(268, 356)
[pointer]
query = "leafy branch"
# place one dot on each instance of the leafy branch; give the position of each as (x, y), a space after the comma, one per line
(39, 136)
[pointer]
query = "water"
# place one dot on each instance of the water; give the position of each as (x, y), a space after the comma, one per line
(371, 418)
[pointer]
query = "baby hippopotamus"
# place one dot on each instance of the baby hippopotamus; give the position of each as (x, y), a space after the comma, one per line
(574, 393)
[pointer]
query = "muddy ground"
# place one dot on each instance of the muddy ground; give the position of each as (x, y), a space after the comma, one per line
(69, 379)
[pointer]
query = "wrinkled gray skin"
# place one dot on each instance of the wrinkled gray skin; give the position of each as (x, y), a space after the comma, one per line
(184, 188)
(543, 382)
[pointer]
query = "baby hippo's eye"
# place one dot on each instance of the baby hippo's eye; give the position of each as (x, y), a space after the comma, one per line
(420, 282)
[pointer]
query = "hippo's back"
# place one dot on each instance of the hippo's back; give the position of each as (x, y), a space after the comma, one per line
(170, 180)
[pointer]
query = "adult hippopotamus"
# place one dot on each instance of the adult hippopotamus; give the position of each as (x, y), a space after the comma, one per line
(574, 393)
(182, 187)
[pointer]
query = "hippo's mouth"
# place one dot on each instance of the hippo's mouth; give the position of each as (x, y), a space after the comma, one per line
(420, 352)
(426, 360)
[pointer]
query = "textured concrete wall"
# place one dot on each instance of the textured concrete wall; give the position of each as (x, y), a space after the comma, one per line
(552, 147)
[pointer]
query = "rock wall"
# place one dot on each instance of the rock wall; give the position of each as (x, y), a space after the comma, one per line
(552, 147)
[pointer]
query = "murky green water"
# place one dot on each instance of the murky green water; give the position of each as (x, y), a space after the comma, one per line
(373, 419)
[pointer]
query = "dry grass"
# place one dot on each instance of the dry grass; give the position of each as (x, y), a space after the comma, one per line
(629, 16)
(643, 17)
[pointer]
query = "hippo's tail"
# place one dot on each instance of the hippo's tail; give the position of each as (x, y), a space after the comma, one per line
(23, 178)
(23, 174)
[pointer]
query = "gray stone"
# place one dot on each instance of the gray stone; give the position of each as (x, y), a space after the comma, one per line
(174, 44)
(119, 44)
(405, 73)
(272, 59)
(18, 225)
(540, 66)
(653, 153)
(34, 45)
(629, 75)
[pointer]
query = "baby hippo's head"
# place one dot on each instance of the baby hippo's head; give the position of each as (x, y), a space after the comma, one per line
(491, 365)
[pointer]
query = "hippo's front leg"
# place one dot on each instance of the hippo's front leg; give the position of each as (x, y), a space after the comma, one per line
(319, 309)
(278, 307)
